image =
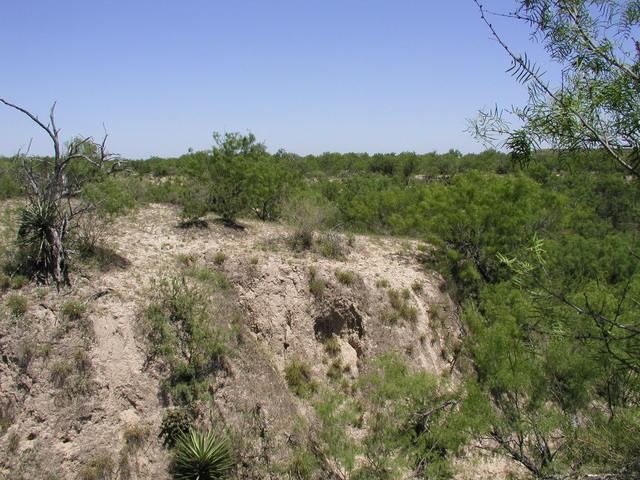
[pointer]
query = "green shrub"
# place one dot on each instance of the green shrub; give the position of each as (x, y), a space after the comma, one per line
(228, 166)
(345, 277)
(303, 465)
(175, 422)
(298, 377)
(195, 205)
(201, 456)
(5, 282)
(18, 281)
(37, 252)
(417, 286)
(113, 195)
(17, 305)
(188, 328)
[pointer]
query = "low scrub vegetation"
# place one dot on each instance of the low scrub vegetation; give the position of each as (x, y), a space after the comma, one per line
(188, 328)
(299, 378)
(540, 258)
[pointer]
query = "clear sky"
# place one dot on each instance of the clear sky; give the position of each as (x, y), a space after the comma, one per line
(305, 75)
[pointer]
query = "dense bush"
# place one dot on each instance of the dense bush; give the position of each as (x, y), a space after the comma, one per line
(183, 334)
(175, 422)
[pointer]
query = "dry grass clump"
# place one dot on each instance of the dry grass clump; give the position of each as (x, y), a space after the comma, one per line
(219, 258)
(332, 345)
(316, 285)
(72, 310)
(100, 467)
(345, 277)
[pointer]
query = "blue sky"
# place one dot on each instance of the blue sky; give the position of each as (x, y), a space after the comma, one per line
(305, 75)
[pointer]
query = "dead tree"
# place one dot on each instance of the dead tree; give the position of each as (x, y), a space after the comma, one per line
(50, 212)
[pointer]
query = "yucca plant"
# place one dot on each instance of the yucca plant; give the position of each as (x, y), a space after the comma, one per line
(40, 235)
(201, 456)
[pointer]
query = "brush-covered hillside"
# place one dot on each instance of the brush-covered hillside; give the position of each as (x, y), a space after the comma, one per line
(241, 314)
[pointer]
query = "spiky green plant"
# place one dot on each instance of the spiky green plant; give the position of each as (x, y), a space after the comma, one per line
(41, 236)
(201, 456)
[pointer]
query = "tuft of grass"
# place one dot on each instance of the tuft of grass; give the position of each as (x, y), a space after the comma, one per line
(219, 258)
(401, 307)
(345, 277)
(134, 436)
(254, 260)
(208, 276)
(317, 286)
(45, 350)
(332, 346)
(26, 352)
(60, 372)
(13, 442)
(335, 370)
(185, 259)
(437, 314)
(82, 361)
(17, 305)
(331, 245)
(417, 286)
(395, 299)
(301, 240)
(382, 283)
(100, 467)
(351, 239)
(72, 310)
(298, 376)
